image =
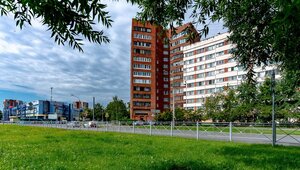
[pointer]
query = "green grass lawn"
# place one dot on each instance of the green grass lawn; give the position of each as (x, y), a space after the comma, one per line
(23, 147)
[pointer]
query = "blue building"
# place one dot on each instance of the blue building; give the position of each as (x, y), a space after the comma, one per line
(41, 110)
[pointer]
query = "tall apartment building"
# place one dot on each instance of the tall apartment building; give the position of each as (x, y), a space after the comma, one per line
(177, 42)
(149, 71)
(209, 67)
(156, 67)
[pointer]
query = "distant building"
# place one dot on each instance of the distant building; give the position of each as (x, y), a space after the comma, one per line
(41, 110)
(11, 109)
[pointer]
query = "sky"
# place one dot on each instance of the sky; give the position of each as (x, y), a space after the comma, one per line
(31, 62)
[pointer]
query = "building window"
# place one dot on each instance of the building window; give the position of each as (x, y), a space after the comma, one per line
(142, 59)
(165, 59)
(141, 29)
(141, 81)
(140, 51)
(141, 74)
(142, 36)
(142, 44)
(142, 66)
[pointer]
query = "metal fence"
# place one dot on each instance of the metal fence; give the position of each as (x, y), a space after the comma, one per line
(287, 134)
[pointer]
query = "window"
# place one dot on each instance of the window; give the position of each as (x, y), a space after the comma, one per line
(201, 75)
(142, 81)
(141, 74)
(165, 52)
(142, 44)
(210, 73)
(141, 29)
(141, 96)
(201, 67)
(201, 50)
(165, 66)
(211, 82)
(141, 104)
(142, 36)
(189, 54)
(220, 80)
(211, 48)
(166, 46)
(142, 59)
(166, 85)
(166, 99)
(177, 56)
(139, 51)
(200, 92)
(210, 65)
(221, 71)
(166, 79)
(210, 56)
(142, 66)
(165, 59)
(220, 62)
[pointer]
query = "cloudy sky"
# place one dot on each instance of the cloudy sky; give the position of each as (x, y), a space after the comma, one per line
(31, 63)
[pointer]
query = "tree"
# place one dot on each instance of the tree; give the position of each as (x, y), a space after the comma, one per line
(1, 115)
(117, 109)
(68, 20)
(264, 31)
(86, 114)
(99, 111)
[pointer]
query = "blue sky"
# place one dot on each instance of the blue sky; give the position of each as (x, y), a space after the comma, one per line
(31, 63)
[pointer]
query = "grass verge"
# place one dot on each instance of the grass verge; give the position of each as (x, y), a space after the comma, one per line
(46, 148)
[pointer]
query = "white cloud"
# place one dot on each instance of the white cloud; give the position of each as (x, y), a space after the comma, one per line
(32, 62)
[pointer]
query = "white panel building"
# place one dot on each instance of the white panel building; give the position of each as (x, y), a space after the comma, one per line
(209, 66)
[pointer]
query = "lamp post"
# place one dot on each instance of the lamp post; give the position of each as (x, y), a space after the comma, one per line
(173, 108)
(273, 109)
(79, 104)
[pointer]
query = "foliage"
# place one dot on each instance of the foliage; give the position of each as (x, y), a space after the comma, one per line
(264, 31)
(87, 113)
(99, 112)
(68, 21)
(117, 109)
(39, 148)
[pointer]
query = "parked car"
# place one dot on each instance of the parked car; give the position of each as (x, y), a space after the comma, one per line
(138, 123)
(90, 124)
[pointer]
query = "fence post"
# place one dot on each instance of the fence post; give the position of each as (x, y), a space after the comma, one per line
(172, 128)
(119, 129)
(197, 130)
(133, 130)
(150, 128)
(230, 131)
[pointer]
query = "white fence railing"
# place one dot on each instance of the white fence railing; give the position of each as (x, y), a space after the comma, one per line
(286, 134)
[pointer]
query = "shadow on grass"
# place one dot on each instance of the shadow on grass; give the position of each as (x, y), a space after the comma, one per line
(186, 165)
(262, 156)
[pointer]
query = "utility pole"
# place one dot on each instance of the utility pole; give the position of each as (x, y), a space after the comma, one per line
(173, 108)
(51, 94)
(93, 108)
(273, 109)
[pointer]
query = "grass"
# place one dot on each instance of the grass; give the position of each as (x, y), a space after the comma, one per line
(24, 147)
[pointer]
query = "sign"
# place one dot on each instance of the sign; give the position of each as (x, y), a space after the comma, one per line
(52, 116)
